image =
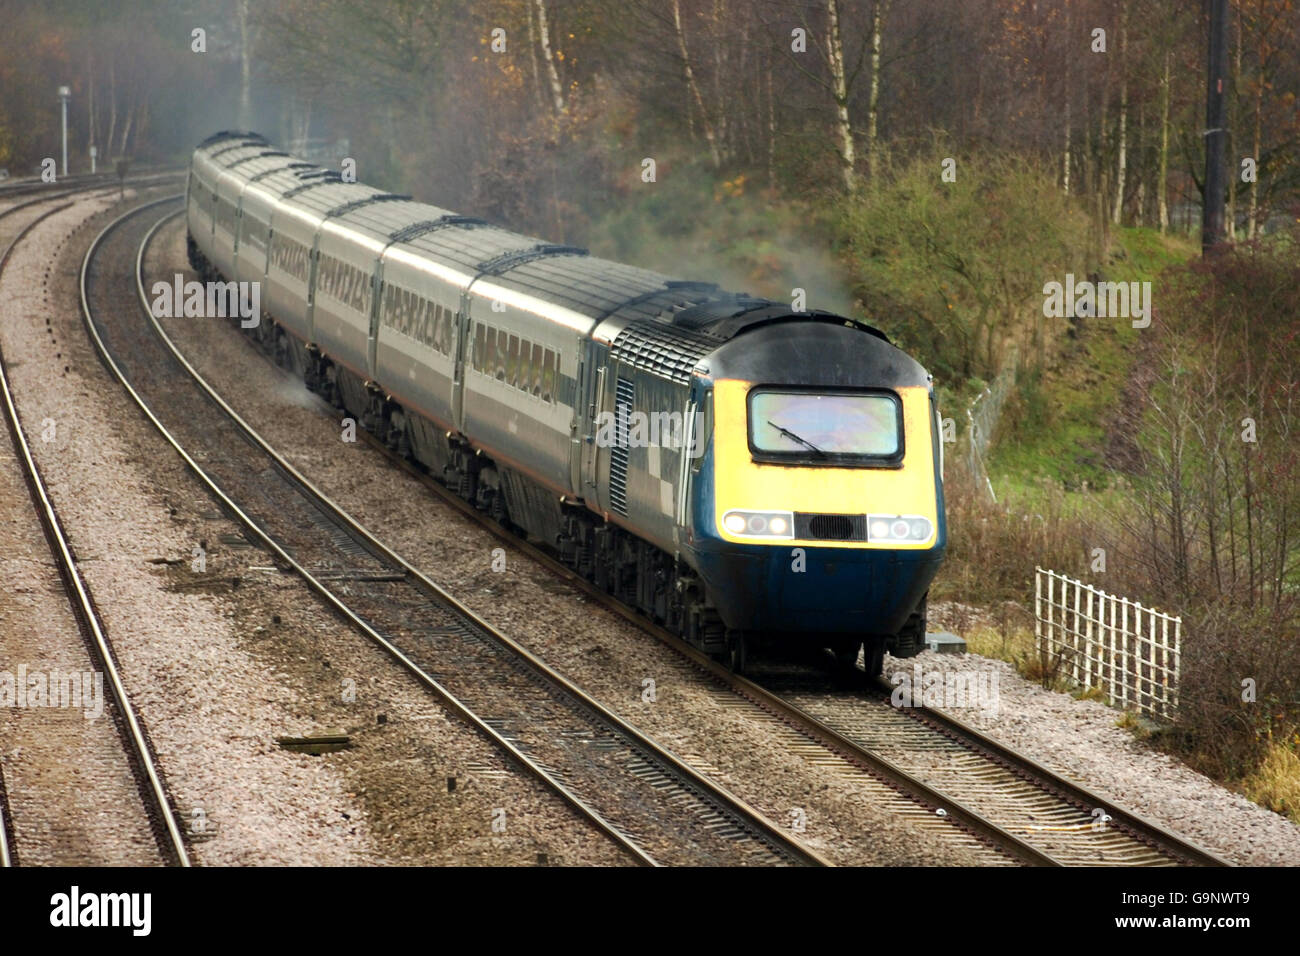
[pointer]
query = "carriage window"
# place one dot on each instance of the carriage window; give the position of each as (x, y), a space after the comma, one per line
(502, 342)
(448, 336)
(480, 340)
(535, 383)
(426, 322)
(512, 361)
(525, 371)
(549, 368)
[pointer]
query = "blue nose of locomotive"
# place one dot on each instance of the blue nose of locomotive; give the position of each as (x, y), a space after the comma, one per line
(815, 590)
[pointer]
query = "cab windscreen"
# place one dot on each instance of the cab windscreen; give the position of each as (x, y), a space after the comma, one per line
(811, 426)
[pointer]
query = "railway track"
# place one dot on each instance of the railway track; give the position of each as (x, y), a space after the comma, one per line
(655, 806)
(1065, 821)
(98, 648)
(937, 764)
(933, 759)
(81, 183)
(935, 769)
(1006, 799)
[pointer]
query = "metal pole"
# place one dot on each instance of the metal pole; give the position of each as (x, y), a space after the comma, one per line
(1215, 133)
(64, 93)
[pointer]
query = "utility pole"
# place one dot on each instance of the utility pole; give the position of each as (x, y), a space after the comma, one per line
(1215, 134)
(64, 93)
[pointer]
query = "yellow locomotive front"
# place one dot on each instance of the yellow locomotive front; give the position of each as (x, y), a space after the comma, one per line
(819, 514)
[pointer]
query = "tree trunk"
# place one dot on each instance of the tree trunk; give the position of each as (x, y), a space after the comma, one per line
(1162, 172)
(1230, 216)
(1065, 153)
(90, 99)
(544, 39)
(840, 92)
(532, 53)
(725, 137)
(126, 128)
(1252, 208)
(709, 135)
(771, 133)
(873, 101)
(112, 107)
(1122, 164)
(1140, 198)
(245, 120)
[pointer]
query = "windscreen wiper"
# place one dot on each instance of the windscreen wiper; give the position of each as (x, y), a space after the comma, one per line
(791, 435)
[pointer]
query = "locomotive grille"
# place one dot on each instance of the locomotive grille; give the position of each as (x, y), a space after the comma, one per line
(830, 527)
(660, 349)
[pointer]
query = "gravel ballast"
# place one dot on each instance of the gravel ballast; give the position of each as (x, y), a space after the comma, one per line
(224, 658)
(606, 655)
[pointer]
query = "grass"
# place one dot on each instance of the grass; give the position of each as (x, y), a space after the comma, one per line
(1058, 426)
(1275, 783)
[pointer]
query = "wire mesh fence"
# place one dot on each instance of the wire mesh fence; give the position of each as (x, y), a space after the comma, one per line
(982, 421)
(1098, 640)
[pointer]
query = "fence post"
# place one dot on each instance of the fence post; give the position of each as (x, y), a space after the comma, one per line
(1074, 639)
(1123, 654)
(1113, 695)
(1138, 654)
(1038, 615)
(1178, 644)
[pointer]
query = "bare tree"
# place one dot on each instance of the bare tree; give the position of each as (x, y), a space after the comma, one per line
(544, 41)
(694, 87)
(1121, 166)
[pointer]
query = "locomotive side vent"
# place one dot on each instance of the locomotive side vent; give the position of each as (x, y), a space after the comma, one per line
(624, 392)
(830, 527)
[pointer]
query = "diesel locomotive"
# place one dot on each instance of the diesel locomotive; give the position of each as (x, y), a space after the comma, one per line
(791, 493)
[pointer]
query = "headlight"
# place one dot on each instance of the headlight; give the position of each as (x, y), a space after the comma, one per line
(899, 528)
(759, 524)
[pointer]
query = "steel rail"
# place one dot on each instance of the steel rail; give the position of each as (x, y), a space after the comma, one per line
(1146, 831)
(760, 823)
(171, 842)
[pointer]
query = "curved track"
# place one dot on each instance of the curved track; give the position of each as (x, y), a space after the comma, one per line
(655, 806)
(939, 765)
(162, 820)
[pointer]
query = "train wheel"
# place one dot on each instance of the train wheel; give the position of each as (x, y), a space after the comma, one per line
(736, 655)
(846, 654)
(873, 657)
(910, 639)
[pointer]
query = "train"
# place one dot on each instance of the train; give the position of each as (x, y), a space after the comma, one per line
(744, 474)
